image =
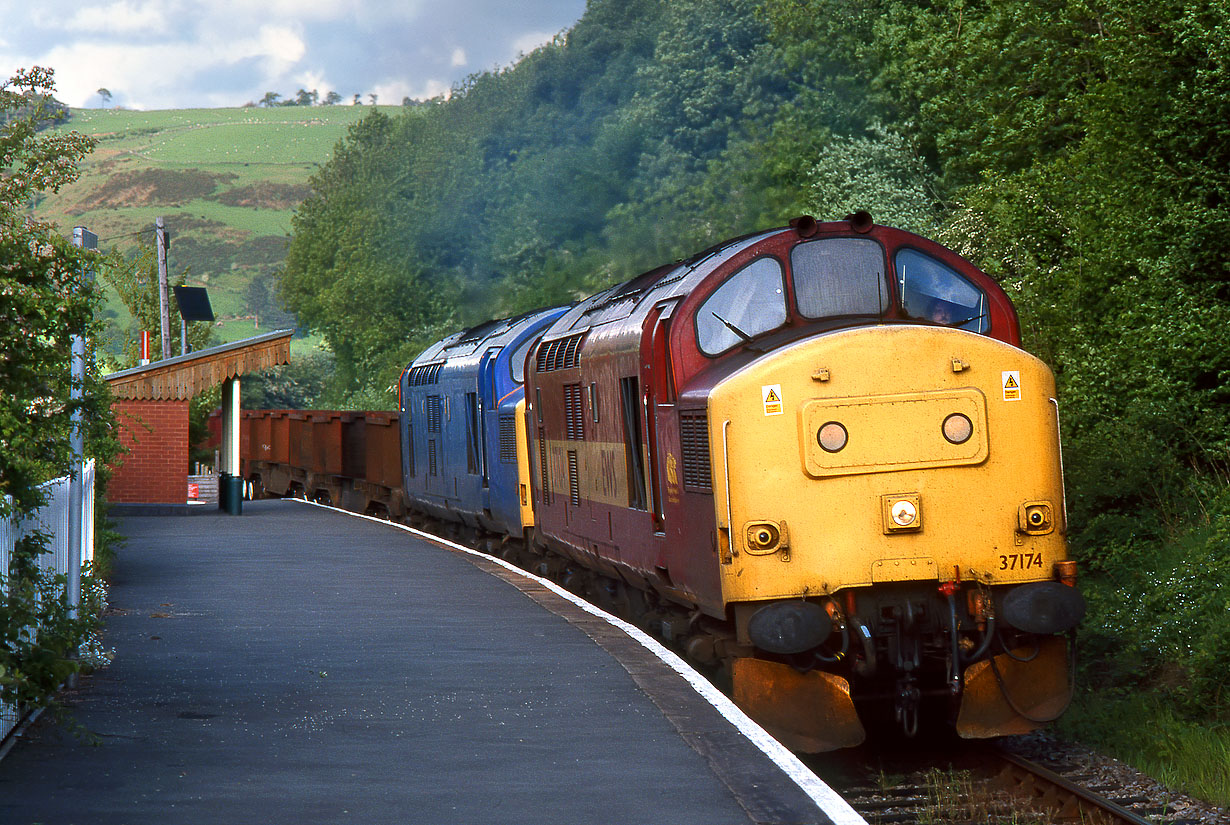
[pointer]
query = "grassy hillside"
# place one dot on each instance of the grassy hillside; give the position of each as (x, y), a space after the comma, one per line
(226, 182)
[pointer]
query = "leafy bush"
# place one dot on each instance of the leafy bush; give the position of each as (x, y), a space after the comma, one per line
(46, 298)
(1159, 619)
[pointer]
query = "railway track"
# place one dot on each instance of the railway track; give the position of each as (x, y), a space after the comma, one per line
(981, 783)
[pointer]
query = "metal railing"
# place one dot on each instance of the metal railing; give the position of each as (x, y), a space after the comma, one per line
(52, 519)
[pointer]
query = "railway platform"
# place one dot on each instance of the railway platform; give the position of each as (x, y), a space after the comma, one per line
(303, 665)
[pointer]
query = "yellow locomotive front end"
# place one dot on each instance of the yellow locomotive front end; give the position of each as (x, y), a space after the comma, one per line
(890, 504)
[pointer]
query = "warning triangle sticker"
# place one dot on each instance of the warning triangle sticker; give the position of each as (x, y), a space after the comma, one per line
(771, 397)
(1010, 384)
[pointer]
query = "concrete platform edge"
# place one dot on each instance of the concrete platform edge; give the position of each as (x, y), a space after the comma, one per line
(816, 802)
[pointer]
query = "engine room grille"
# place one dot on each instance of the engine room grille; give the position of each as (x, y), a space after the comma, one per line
(694, 438)
(508, 437)
(433, 468)
(574, 412)
(560, 354)
(544, 469)
(574, 481)
(434, 413)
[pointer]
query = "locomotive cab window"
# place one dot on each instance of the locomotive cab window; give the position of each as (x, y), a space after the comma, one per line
(839, 276)
(933, 291)
(749, 303)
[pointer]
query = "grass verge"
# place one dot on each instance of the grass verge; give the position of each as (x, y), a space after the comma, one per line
(1144, 733)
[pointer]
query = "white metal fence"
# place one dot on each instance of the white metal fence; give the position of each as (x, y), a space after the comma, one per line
(52, 519)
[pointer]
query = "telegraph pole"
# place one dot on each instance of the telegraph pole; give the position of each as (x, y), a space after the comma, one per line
(164, 304)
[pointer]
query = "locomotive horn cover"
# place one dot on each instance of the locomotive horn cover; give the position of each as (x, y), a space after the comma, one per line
(789, 627)
(805, 225)
(861, 221)
(1044, 607)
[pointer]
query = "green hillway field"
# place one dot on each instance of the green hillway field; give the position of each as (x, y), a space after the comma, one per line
(226, 182)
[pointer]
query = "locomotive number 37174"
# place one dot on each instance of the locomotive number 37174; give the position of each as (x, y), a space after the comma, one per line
(1020, 561)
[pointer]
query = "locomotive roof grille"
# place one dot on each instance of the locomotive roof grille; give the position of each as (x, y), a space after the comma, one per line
(560, 354)
(425, 374)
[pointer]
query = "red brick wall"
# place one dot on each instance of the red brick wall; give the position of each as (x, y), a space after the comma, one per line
(155, 468)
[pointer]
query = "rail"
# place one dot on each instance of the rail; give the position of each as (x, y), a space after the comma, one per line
(52, 519)
(1068, 800)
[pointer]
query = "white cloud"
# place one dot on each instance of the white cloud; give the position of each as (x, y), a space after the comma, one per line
(279, 45)
(191, 53)
(123, 17)
(392, 93)
(313, 79)
(432, 88)
(154, 76)
(529, 41)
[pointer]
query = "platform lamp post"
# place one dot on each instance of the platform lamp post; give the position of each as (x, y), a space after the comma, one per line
(230, 481)
(83, 239)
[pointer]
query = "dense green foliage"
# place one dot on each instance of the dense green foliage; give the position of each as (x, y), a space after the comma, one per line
(1077, 150)
(46, 297)
(135, 281)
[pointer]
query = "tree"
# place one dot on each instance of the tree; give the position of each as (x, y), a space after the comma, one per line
(270, 99)
(104, 96)
(135, 280)
(46, 298)
(332, 98)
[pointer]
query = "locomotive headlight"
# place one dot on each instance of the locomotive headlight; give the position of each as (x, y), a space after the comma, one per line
(902, 512)
(1036, 518)
(958, 428)
(765, 537)
(832, 437)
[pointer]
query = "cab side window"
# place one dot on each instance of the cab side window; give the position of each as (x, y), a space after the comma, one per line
(749, 303)
(933, 291)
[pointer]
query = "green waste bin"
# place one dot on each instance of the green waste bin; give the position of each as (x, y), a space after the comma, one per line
(230, 494)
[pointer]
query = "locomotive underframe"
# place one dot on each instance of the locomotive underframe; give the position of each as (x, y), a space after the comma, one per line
(897, 649)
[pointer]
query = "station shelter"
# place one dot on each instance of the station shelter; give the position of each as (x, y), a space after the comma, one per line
(151, 409)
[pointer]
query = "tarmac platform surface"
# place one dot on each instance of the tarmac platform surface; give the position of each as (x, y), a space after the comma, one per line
(302, 665)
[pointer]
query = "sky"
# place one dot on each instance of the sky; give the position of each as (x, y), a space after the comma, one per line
(178, 54)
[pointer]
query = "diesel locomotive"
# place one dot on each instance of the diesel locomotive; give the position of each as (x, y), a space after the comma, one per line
(816, 458)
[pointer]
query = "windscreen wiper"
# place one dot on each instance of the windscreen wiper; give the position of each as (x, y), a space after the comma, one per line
(743, 336)
(965, 321)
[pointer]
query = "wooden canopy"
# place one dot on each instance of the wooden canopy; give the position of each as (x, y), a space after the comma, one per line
(182, 377)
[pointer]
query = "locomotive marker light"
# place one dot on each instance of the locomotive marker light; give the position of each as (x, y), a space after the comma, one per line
(832, 437)
(958, 428)
(902, 512)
